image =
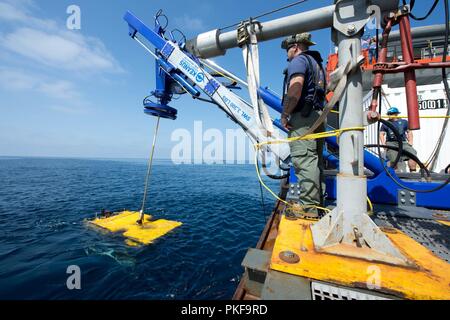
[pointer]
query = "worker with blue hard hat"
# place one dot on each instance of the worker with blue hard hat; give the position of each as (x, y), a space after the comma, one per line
(393, 111)
(387, 137)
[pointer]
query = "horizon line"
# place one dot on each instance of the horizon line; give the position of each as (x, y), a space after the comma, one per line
(116, 158)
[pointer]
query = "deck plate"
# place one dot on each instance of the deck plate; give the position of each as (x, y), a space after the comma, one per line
(431, 280)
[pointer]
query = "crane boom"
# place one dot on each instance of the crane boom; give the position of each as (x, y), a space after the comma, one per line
(188, 72)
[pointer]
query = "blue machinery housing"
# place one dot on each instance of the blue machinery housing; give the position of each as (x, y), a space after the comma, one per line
(380, 187)
(167, 76)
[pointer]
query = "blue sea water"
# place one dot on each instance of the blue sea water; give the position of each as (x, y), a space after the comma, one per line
(44, 202)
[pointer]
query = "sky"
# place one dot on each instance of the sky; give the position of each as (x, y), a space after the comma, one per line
(78, 93)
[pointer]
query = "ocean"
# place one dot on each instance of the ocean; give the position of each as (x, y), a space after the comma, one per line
(44, 203)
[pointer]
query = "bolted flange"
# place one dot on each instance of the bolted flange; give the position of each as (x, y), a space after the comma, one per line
(289, 257)
(388, 230)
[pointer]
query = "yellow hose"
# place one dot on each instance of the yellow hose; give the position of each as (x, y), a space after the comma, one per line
(312, 136)
(370, 206)
(406, 117)
(273, 193)
(423, 117)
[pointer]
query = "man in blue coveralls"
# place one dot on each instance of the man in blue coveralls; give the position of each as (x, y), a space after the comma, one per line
(303, 102)
(387, 137)
(372, 50)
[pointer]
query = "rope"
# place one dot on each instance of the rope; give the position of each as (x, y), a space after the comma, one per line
(320, 135)
(147, 177)
(405, 117)
(312, 136)
(266, 13)
(422, 117)
(337, 84)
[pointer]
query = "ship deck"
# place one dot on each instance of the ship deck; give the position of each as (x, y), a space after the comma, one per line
(427, 230)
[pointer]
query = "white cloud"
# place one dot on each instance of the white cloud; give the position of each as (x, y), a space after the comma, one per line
(38, 57)
(18, 80)
(10, 13)
(42, 41)
(64, 95)
(189, 23)
(64, 50)
(11, 79)
(59, 89)
(18, 12)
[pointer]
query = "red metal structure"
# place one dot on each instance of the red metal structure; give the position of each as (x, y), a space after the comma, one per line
(407, 66)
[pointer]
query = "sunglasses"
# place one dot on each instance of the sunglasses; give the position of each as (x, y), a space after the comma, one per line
(291, 46)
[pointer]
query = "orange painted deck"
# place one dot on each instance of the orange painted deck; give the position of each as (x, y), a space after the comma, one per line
(430, 280)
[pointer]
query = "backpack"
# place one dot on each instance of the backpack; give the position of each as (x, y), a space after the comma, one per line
(319, 86)
(317, 102)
